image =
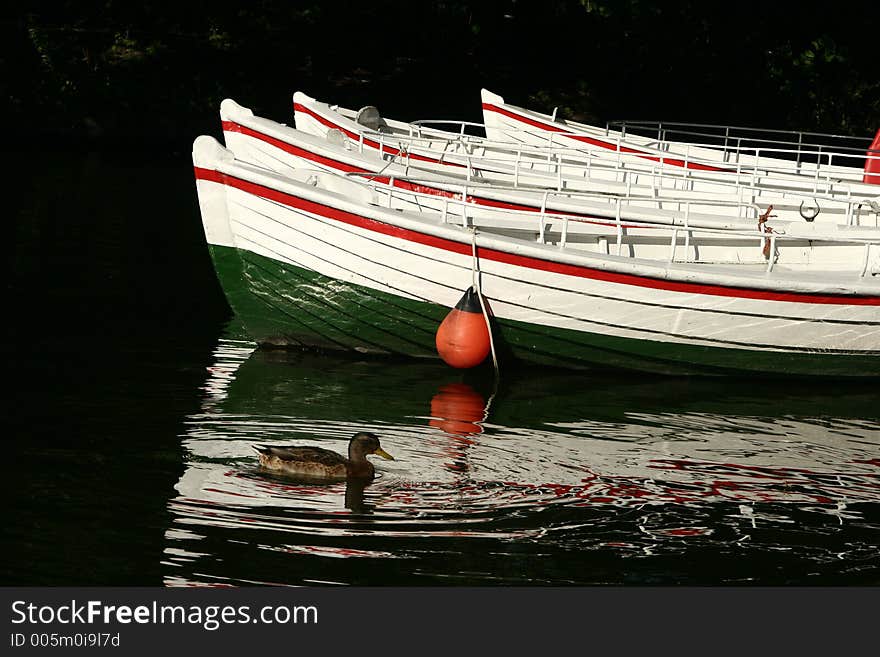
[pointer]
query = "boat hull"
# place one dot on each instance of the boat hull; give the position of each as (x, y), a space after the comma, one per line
(308, 267)
(505, 122)
(283, 305)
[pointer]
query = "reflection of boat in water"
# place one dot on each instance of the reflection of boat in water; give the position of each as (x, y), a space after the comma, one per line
(557, 431)
(483, 466)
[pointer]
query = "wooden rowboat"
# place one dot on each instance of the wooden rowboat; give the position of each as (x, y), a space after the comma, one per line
(309, 259)
(713, 230)
(732, 150)
(503, 162)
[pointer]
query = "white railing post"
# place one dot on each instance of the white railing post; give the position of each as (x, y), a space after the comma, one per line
(542, 215)
(687, 234)
(818, 170)
(755, 167)
(516, 168)
(558, 172)
(800, 141)
(828, 174)
(464, 194)
(772, 258)
(619, 226)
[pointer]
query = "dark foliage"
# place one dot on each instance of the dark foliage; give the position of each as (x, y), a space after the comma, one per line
(158, 69)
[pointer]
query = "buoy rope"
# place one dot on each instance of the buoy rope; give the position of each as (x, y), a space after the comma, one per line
(475, 277)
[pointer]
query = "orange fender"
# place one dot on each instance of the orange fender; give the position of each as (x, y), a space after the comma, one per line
(463, 337)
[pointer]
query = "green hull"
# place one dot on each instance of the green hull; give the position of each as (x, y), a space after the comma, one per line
(284, 305)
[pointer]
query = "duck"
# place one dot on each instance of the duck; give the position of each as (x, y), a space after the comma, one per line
(320, 463)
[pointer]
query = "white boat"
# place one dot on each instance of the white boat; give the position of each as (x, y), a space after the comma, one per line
(309, 259)
(793, 197)
(845, 159)
(713, 230)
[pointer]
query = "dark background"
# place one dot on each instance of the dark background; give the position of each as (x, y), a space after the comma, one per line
(157, 70)
(112, 308)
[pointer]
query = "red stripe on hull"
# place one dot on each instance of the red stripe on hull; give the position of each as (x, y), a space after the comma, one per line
(230, 126)
(549, 127)
(297, 107)
(526, 261)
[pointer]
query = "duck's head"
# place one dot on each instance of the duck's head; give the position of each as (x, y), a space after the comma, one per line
(364, 443)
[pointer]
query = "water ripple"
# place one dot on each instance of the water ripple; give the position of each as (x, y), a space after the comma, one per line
(479, 481)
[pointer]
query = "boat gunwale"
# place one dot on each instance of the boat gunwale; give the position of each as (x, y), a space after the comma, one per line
(498, 193)
(322, 113)
(692, 278)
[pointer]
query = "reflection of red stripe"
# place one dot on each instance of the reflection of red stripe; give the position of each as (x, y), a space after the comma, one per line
(525, 261)
(549, 127)
(297, 107)
(230, 126)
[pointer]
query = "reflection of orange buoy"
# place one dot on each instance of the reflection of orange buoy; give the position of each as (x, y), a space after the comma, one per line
(463, 337)
(457, 409)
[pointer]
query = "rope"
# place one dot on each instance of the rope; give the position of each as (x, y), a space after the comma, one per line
(762, 226)
(400, 151)
(475, 277)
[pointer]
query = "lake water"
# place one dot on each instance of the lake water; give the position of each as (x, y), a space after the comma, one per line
(136, 400)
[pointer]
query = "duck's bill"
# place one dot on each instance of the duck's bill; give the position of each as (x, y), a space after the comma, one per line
(385, 455)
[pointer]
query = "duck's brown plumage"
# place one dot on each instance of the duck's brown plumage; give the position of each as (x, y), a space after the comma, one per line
(323, 463)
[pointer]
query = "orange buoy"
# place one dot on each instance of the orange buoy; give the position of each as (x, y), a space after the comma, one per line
(872, 162)
(458, 409)
(463, 337)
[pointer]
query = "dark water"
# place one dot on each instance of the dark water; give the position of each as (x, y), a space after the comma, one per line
(135, 402)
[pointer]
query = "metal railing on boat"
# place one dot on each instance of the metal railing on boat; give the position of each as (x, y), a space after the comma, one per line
(824, 165)
(526, 157)
(460, 199)
(729, 138)
(797, 151)
(524, 164)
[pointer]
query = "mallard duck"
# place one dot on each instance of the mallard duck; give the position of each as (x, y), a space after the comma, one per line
(323, 463)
